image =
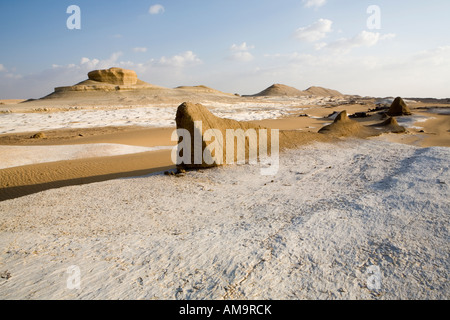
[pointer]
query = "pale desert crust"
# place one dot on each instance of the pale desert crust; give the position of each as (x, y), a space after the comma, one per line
(316, 230)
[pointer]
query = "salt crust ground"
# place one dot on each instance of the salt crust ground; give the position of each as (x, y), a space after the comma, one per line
(311, 232)
(151, 116)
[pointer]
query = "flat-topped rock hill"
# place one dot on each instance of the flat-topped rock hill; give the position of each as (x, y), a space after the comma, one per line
(114, 76)
(113, 79)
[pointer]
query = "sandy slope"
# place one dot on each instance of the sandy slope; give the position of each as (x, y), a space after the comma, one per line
(313, 231)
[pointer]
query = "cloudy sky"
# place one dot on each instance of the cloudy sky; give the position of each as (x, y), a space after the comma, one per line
(376, 48)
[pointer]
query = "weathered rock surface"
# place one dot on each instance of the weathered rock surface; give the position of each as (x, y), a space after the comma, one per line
(343, 126)
(399, 108)
(208, 137)
(390, 125)
(116, 76)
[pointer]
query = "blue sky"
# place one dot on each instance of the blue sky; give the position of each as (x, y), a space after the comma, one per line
(234, 46)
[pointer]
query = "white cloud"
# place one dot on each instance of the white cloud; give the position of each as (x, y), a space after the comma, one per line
(242, 56)
(181, 60)
(363, 39)
(241, 52)
(156, 9)
(314, 3)
(320, 45)
(13, 76)
(2, 68)
(140, 49)
(241, 47)
(92, 64)
(314, 32)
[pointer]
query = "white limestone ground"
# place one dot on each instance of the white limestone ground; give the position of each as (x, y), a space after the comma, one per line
(313, 231)
(146, 116)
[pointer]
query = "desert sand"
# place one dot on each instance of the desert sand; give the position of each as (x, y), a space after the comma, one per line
(83, 184)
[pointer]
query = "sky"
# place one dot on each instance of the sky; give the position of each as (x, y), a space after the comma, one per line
(374, 48)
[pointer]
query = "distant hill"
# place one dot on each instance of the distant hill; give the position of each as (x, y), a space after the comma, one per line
(323, 92)
(201, 89)
(280, 90)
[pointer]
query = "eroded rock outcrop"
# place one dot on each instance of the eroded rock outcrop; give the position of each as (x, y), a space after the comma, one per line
(343, 126)
(399, 108)
(390, 126)
(116, 76)
(208, 141)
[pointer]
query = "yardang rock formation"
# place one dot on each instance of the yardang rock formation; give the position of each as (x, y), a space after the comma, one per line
(399, 108)
(343, 126)
(208, 138)
(114, 76)
(113, 79)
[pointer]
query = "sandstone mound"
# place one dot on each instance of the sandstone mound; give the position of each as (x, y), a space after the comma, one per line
(210, 132)
(399, 108)
(39, 135)
(323, 92)
(343, 126)
(116, 76)
(278, 90)
(100, 81)
(390, 125)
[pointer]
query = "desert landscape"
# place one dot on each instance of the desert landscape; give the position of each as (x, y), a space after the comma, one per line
(87, 180)
(224, 153)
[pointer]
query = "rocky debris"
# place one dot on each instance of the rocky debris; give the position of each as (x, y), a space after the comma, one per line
(39, 135)
(5, 275)
(380, 108)
(359, 115)
(332, 116)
